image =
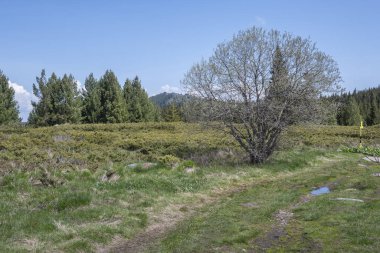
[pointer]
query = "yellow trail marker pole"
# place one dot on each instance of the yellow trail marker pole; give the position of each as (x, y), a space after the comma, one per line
(361, 127)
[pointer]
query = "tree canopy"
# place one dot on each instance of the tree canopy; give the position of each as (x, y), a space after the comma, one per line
(259, 83)
(140, 108)
(364, 104)
(8, 106)
(112, 106)
(59, 100)
(172, 113)
(100, 101)
(91, 101)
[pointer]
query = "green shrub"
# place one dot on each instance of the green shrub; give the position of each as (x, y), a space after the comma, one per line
(168, 160)
(372, 151)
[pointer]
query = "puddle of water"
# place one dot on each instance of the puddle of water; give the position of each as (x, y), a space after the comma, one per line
(321, 190)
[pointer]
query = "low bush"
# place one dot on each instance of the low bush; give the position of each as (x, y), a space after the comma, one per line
(368, 150)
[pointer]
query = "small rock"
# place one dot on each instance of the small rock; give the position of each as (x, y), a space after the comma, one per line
(175, 165)
(110, 176)
(377, 174)
(148, 165)
(47, 180)
(351, 189)
(250, 205)
(372, 159)
(349, 199)
(190, 170)
(36, 182)
(132, 165)
(143, 165)
(104, 178)
(113, 178)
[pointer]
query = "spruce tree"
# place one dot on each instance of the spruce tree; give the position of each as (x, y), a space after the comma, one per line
(68, 102)
(140, 108)
(40, 108)
(342, 100)
(171, 113)
(91, 100)
(8, 106)
(59, 100)
(277, 94)
(156, 113)
(373, 115)
(112, 106)
(352, 113)
(279, 79)
(132, 102)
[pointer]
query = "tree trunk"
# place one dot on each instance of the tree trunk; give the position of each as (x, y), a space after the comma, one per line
(256, 159)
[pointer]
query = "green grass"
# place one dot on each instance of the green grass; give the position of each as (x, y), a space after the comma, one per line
(320, 224)
(83, 209)
(54, 196)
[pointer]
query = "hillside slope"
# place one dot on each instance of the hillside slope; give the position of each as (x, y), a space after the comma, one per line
(176, 187)
(165, 99)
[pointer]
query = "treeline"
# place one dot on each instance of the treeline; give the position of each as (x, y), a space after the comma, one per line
(359, 106)
(104, 100)
(101, 101)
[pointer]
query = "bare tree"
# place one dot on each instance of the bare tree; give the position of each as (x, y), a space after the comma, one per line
(259, 83)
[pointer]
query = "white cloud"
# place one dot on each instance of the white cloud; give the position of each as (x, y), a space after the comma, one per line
(260, 21)
(24, 99)
(169, 88)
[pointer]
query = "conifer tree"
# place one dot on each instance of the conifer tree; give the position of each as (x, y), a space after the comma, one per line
(373, 115)
(350, 113)
(132, 102)
(277, 94)
(368, 102)
(8, 106)
(112, 106)
(171, 113)
(140, 108)
(91, 100)
(279, 79)
(59, 100)
(156, 113)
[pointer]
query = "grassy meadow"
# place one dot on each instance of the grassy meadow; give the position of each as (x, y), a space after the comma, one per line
(177, 187)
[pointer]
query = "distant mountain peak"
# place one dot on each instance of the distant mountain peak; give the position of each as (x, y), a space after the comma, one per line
(166, 98)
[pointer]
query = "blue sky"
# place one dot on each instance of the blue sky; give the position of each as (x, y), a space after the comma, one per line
(160, 40)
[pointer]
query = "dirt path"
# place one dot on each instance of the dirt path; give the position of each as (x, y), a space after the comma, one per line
(278, 230)
(282, 218)
(166, 221)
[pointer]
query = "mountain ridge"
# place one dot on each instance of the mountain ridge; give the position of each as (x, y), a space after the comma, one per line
(166, 98)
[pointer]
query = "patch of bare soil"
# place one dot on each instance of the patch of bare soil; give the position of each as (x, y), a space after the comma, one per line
(153, 232)
(282, 218)
(29, 244)
(277, 231)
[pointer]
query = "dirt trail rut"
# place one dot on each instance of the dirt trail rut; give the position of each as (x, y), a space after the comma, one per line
(166, 221)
